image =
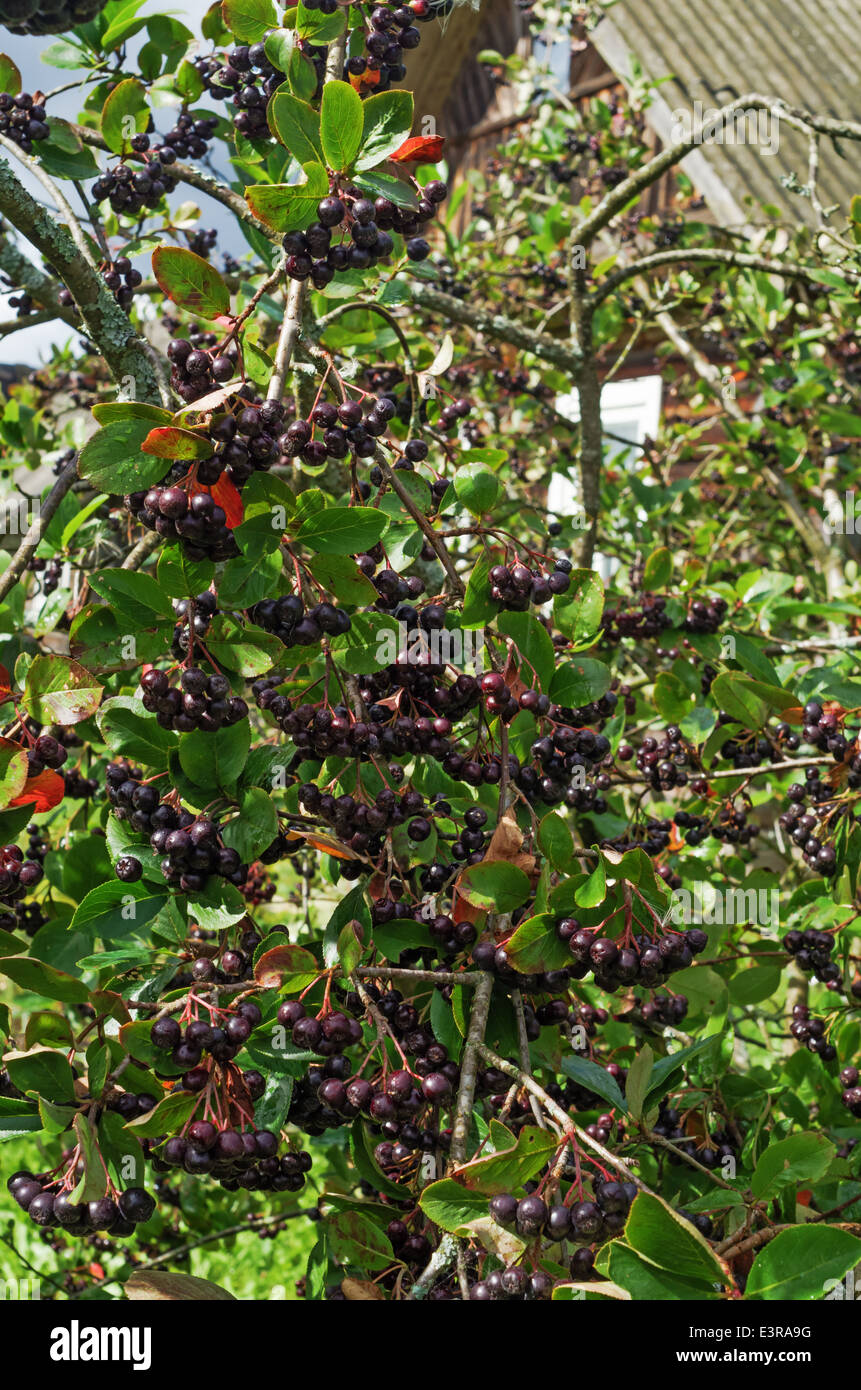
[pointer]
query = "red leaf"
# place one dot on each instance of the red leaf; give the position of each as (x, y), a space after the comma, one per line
(45, 791)
(5, 685)
(419, 149)
(226, 496)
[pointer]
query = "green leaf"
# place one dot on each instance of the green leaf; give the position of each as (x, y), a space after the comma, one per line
(535, 945)
(355, 1239)
(114, 910)
(537, 653)
(495, 887)
(60, 691)
(449, 1205)
(733, 692)
(580, 682)
(804, 1263)
(511, 1167)
(168, 1116)
(297, 126)
(285, 966)
(129, 730)
(179, 577)
(387, 121)
(341, 124)
(124, 115)
(638, 1080)
(43, 979)
(476, 487)
(220, 905)
(556, 841)
(646, 1281)
(134, 597)
(659, 1234)
(343, 530)
(593, 890)
(190, 281)
(577, 613)
(215, 759)
(243, 647)
(10, 77)
(802, 1157)
(319, 28)
(42, 1071)
(256, 826)
(289, 207)
(594, 1078)
(249, 19)
(111, 459)
(658, 570)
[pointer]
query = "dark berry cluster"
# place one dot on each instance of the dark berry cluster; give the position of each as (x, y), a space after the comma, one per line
(851, 1094)
(122, 280)
(663, 764)
(195, 616)
(583, 1222)
(195, 370)
(131, 191)
(48, 1203)
(363, 229)
(17, 874)
(822, 729)
(812, 1032)
(801, 825)
(47, 751)
(202, 241)
(390, 31)
(710, 1150)
(192, 518)
(635, 620)
(247, 78)
(23, 120)
(706, 615)
(243, 439)
(515, 587)
(296, 626)
(200, 701)
(812, 951)
(642, 961)
(363, 825)
(187, 1046)
(192, 853)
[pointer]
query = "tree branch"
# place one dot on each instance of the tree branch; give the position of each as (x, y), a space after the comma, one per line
(29, 544)
(790, 270)
(104, 321)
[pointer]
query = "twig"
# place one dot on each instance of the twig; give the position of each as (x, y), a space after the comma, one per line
(29, 544)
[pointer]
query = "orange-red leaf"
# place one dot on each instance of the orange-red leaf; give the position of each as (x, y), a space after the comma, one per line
(45, 791)
(228, 498)
(419, 149)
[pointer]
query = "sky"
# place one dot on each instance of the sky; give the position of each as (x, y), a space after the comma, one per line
(31, 346)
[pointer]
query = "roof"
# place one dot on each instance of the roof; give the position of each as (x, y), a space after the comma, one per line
(804, 52)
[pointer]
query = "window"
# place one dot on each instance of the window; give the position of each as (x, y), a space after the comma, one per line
(630, 410)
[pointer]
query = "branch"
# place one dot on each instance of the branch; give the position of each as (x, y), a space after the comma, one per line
(631, 188)
(29, 544)
(423, 524)
(287, 338)
(552, 350)
(26, 276)
(105, 322)
(790, 270)
(530, 1084)
(469, 1069)
(204, 183)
